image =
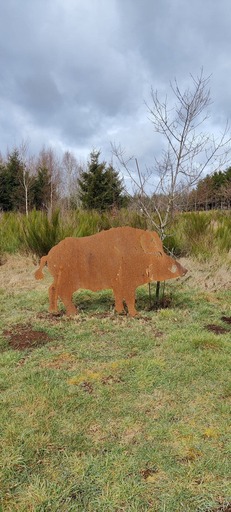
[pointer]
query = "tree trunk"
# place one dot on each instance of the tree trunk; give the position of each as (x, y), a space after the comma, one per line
(158, 291)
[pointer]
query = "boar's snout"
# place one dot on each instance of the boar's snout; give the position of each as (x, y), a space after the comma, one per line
(181, 271)
(177, 270)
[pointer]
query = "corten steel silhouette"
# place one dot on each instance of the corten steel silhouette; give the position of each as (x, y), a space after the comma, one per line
(121, 259)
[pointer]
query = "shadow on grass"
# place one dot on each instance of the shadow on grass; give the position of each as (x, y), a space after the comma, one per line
(103, 302)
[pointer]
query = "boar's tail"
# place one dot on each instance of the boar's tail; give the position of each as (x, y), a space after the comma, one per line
(39, 274)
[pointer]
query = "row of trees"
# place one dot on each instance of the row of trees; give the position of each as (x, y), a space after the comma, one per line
(175, 182)
(26, 182)
(41, 182)
(212, 192)
(47, 181)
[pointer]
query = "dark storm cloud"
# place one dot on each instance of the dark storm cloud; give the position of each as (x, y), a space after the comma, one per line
(75, 73)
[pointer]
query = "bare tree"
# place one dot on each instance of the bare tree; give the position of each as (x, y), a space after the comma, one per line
(188, 151)
(71, 172)
(48, 159)
(26, 178)
(226, 195)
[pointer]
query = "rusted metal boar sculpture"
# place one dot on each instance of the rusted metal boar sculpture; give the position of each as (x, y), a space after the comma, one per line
(121, 259)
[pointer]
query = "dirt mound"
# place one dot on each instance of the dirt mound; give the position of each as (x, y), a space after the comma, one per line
(216, 329)
(226, 319)
(22, 337)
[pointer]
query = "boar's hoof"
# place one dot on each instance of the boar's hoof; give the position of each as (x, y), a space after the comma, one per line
(71, 310)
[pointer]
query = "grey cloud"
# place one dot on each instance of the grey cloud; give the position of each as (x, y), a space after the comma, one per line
(39, 94)
(77, 72)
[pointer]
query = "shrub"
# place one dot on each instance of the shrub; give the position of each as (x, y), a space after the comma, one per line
(87, 223)
(10, 232)
(173, 245)
(197, 234)
(223, 234)
(40, 233)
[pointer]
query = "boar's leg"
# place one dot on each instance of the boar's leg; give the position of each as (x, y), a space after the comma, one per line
(62, 287)
(53, 296)
(119, 306)
(65, 291)
(130, 301)
(129, 297)
(66, 298)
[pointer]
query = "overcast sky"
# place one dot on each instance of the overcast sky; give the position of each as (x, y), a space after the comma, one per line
(75, 74)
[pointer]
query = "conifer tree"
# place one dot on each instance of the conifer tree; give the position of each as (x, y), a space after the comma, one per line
(100, 186)
(5, 203)
(41, 189)
(11, 197)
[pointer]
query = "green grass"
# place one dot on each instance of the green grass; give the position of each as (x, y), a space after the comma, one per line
(116, 414)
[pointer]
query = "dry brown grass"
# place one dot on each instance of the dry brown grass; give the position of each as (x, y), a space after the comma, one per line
(211, 276)
(18, 274)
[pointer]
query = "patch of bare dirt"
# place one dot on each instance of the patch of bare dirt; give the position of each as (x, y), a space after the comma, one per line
(22, 337)
(217, 329)
(163, 303)
(226, 319)
(53, 318)
(222, 508)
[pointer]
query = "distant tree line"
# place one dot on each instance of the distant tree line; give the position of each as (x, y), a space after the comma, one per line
(27, 183)
(46, 181)
(43, 182)
(212, 192)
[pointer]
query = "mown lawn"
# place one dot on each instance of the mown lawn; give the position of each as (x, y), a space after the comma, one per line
(104, 413)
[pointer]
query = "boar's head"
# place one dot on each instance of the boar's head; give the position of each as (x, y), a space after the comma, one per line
(160, 266)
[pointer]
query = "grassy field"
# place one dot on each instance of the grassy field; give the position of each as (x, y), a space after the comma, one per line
(104, 413)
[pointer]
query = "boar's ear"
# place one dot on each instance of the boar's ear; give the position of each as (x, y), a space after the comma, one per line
(150, 242)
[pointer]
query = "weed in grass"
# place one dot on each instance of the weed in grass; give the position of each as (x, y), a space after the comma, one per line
(209, 343)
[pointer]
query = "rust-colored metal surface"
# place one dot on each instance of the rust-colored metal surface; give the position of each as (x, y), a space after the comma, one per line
(121, 259)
